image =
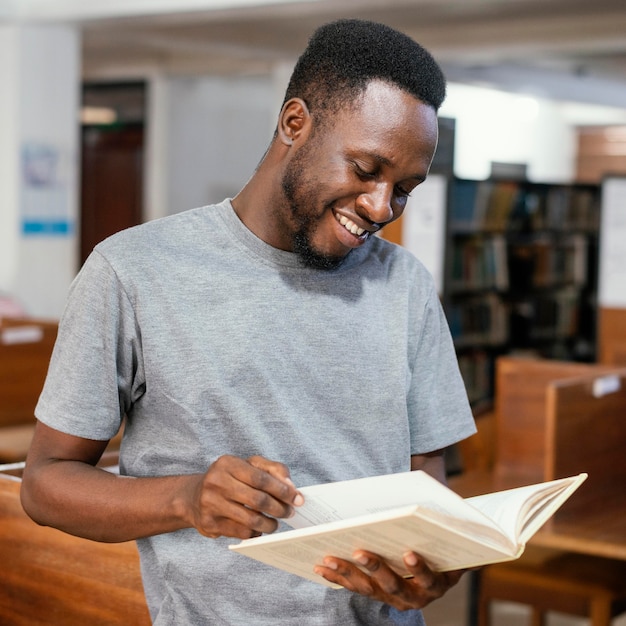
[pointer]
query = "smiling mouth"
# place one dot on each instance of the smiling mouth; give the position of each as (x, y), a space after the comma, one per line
(350, 226)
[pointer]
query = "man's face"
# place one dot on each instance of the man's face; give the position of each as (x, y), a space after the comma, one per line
(355, 173)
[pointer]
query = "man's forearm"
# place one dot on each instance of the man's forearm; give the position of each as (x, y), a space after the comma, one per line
(96, 504)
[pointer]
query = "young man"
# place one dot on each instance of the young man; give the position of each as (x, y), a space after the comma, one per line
(265, 342)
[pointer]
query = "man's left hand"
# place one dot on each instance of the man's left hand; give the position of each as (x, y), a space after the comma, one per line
(380, 582)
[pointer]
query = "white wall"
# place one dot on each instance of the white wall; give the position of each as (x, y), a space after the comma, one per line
(40, 73)
(9, 164)
(494, 125)
(217, 131)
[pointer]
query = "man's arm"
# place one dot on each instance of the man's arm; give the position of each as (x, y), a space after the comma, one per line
(432, 463)
(63, 488)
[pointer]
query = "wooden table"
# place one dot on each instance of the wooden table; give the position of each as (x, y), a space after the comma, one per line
(596, 531)
(50, 577)
(554, 419)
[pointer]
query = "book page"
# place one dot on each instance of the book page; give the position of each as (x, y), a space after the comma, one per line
(362, 496)
(520, 512)
(541, 512)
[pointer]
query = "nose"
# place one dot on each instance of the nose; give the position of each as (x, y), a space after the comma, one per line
(375, 205)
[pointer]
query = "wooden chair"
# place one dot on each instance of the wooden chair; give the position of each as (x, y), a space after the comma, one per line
(575, 584)
(547, 418)
(49, 577)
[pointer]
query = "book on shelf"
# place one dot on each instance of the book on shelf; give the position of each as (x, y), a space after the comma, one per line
(481, 319)
(479, 262)
(498, 205)
(410, 511)
(468, 204)
(548, 261)
(476, 367)
(556, 315)
(502, 200)
(571, 208)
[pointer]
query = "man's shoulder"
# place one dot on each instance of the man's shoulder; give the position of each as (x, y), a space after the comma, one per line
(166, 234)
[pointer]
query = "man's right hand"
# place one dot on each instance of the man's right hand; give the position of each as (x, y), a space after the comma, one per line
(242, 498)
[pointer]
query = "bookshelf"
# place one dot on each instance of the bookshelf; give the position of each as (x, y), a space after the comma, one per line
(520, 273)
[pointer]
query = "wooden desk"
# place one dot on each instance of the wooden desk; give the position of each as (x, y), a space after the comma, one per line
(552, 421)
(25, 350)
(555, 420)
(598, 531)
(49, 577)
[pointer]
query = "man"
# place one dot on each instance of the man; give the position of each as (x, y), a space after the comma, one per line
(259, 344)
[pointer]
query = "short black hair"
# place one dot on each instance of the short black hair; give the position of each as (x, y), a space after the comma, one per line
(344, 56)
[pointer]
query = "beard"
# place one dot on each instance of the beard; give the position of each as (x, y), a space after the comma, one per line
(309, 256)
(303, 214)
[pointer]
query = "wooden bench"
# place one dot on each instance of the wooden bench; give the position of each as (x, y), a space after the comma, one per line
(25, 350)
(50, 577)
(576, 584)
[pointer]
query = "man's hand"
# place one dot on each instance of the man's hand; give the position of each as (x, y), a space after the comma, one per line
(242, 498)
(63, 488)
(380, 582)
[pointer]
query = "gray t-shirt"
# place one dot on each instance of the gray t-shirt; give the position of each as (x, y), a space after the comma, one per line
(212, 342)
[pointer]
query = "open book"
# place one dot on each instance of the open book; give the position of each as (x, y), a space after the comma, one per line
(392, 514)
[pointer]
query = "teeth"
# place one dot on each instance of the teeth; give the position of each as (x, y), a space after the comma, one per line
(351, 226)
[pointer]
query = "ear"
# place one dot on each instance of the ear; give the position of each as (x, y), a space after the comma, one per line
(294, 121)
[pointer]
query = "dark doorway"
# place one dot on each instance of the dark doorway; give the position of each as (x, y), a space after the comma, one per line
(112, 161)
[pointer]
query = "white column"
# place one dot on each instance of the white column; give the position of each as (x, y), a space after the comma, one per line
(39, 162)
(156, 181)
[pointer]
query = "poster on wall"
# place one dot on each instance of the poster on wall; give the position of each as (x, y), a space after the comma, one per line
(45, 186)
(612, 268)
(423, 229)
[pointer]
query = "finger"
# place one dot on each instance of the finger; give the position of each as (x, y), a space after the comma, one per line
(279, 472)
(265, 499)
(434, 584)
(232, 489)
(418, 567)
(345, 574)
(228, 528)
(389, 581)
(246, 500)
(379, 582)
(416, 590)
(230, 506)
(245, 483)
(276, 469)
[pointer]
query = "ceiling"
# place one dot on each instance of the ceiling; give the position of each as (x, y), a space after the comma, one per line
(570, 49)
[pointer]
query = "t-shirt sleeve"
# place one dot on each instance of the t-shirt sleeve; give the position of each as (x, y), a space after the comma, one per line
(96, 369)
(438, 406)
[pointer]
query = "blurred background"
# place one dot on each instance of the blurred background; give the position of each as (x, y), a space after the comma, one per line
(115, 112)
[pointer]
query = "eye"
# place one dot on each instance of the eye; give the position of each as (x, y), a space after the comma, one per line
(364, 174)
(403, 193)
